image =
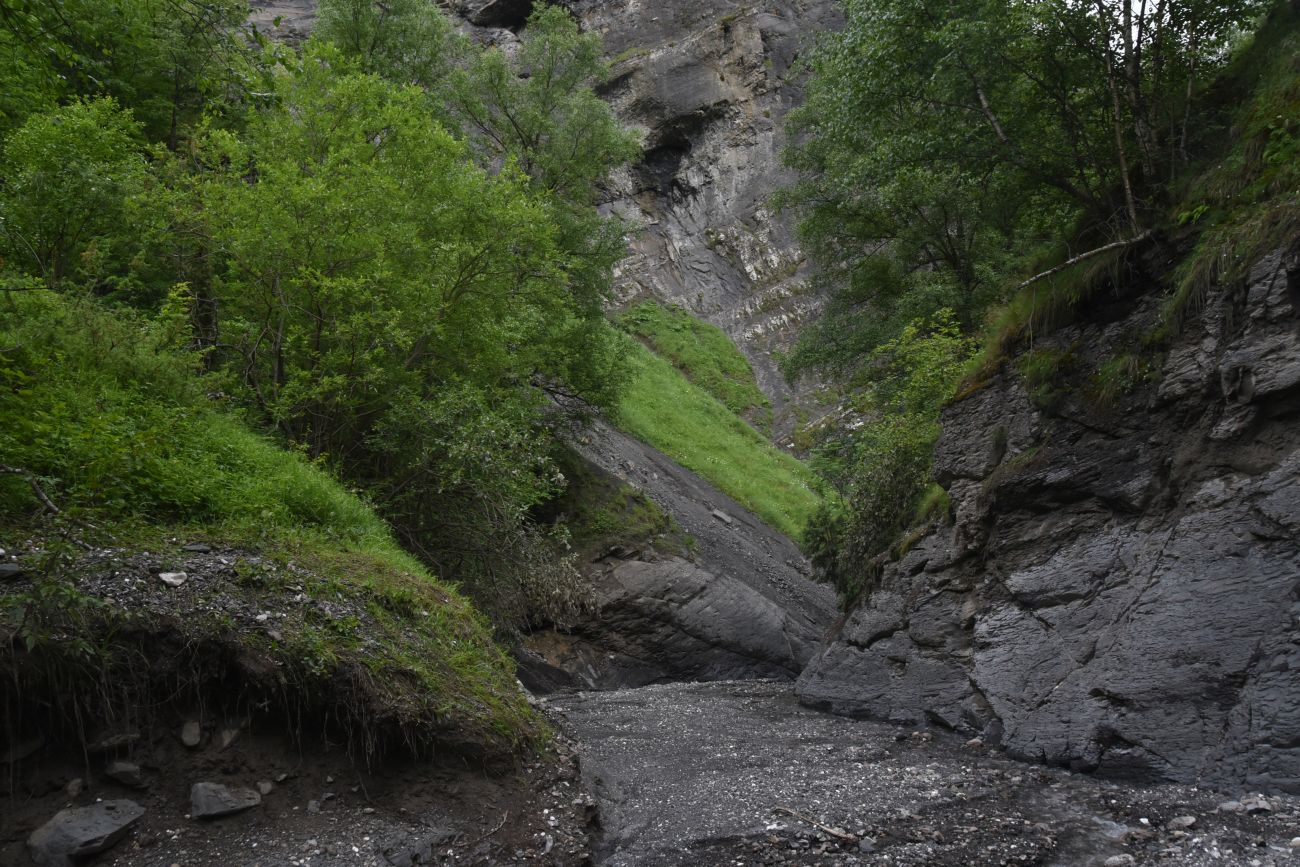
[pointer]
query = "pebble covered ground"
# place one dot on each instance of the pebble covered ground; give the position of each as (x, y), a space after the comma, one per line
(739, 774)
(732, 773)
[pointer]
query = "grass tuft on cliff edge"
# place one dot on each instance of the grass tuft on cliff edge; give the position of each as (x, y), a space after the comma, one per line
(297, 603)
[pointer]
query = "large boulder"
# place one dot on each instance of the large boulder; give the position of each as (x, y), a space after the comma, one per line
(82, 831)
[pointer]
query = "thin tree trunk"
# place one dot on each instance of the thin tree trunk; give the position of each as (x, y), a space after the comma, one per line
(1118, 119)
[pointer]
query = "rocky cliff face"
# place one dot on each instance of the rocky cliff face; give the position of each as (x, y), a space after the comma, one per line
(1120, 586)
(710, 83)
(741, 607)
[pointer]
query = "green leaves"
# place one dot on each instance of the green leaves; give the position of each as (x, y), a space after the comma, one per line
(67, 174)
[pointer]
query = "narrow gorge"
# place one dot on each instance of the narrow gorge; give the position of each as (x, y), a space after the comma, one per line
(1078, 643)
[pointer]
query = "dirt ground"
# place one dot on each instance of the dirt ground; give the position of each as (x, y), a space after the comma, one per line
(733, 773)
(322, 810)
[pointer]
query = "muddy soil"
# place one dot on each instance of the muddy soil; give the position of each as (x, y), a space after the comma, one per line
(713, 774)
(323, 810)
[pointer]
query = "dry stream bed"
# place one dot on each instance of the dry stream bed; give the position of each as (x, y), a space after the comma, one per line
(726, 773)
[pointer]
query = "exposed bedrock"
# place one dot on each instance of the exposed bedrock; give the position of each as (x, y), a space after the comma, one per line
(1118, 588)
(742, 607)
(709, 83)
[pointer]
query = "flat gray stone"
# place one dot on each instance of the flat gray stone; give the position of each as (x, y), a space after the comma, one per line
(191, 733)
(172, 579)
(213, 800)
(82, 831)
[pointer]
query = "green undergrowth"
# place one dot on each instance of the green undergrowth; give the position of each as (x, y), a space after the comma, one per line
(687, 423)
(704, 354)
(1246, 203)
(111, 424)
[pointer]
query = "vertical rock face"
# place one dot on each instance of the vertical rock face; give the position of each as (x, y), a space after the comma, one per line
(1120, 588)
(709, 83)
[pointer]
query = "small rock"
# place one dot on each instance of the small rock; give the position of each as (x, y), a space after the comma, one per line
(197, 548)
(213, 800)
(105, 743)
(1295, 843)
(368, 810)
(1256, 804)
(1125, 860)
(265, 786)
(12, 571)
(975, 743)
(313, 806)
(227, 737)
(172, 579)
(1231, 807)
(328, 796)
(191, 733)
(1181, 822)
(75, 787)
(866, 844)
(263, 617)
(280, 778)
(722, 516)
(126, 773)
(82, 831)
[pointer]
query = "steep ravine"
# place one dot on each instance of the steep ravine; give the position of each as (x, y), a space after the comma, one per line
(1116, 593)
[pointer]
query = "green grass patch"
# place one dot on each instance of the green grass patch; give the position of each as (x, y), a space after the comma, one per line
(687, 423)
(703, 353)
(113, 425)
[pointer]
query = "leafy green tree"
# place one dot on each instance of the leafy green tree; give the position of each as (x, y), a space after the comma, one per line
(398, 312)
(404, 41)
(539, 110)
(943, 146)
(67, 173)
(161, 58)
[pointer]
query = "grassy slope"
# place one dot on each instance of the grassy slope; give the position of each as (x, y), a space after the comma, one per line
(703, 353)
(663, 408)
(118, 432)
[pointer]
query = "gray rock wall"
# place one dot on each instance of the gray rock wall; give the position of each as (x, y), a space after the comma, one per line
(742, 607)
(709, 83)
(1120, 587)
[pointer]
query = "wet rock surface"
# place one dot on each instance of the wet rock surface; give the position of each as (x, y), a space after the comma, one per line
(738, 773)
(1118, 590)
(742, 607)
